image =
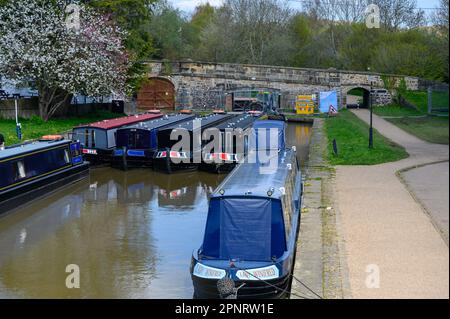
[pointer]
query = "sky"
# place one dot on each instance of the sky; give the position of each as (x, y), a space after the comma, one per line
(189, 5)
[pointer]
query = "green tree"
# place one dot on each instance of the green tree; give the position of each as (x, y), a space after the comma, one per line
(171, 32)
(135, 17)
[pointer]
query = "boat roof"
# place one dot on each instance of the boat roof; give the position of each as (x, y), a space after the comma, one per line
(268, 124)
(205, 121)
(122, 121)
(241, 121)
(257, 178)
(17, 150)
(265, 141)
(160, 122)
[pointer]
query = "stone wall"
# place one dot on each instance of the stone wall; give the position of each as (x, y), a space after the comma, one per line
(207, 92)
(381, 98)
(204, 85)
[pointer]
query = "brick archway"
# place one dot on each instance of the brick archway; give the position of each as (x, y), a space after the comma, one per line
(157, 93)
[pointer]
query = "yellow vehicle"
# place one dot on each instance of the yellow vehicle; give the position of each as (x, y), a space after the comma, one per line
(304, 105)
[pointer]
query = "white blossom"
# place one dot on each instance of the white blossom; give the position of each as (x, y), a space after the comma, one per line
(36, 44)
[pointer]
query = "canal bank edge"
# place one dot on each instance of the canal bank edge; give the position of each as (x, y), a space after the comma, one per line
(319, 267)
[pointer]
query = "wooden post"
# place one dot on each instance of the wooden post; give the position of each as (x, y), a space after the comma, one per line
(430, 99)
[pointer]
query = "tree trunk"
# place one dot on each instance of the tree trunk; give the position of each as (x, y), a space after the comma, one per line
(50, 100)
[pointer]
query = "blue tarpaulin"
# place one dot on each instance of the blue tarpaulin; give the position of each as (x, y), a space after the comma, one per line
(327, 100)
(245, 229)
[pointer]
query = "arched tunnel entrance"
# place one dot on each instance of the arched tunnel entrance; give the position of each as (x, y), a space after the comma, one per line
(358, 97)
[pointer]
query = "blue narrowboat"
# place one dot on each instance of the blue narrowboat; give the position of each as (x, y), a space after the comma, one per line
(35, 169)
(251, 231)
(98, 140)
(234, 143)
(136, 144)
(268, 135)
(168, 160)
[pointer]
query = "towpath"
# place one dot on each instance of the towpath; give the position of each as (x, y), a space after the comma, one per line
(392, 229)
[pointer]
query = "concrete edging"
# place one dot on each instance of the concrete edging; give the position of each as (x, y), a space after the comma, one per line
(319, 263)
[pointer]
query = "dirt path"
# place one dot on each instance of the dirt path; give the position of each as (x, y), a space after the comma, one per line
(391, 246)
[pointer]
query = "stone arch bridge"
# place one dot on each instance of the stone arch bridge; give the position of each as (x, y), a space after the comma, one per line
(188, 84)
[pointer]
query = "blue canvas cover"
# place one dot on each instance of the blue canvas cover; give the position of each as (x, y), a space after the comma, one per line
(262, 138)
(245, 229)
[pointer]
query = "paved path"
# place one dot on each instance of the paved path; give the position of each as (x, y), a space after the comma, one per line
(385, 231)
(429, 185)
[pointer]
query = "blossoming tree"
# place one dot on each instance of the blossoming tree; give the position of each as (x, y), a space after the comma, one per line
(62, 50)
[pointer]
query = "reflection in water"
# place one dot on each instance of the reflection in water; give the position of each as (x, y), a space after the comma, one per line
(299, 135)
(131, 233)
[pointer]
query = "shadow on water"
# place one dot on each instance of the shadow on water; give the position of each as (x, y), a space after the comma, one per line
(131, 234)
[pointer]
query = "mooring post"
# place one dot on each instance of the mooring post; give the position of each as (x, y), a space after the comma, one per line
(430, 99)
(335, 148)
(371, 118)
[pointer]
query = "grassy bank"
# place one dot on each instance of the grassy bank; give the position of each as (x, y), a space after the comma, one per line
(352, 137)
(420, 99)
(431, 128)
(395, 110)
(417, 98)
(35, 127)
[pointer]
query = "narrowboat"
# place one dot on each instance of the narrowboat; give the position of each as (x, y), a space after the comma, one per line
(98, 140)
(268, 135)
(251, 232)
(234, 141)
(136, 144)
(169, 160)
(35, 169)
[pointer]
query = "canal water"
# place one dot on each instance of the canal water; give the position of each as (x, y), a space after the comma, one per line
(131, 234)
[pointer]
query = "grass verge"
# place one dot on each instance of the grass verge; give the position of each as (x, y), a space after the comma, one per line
(420, 99)
(431, 128)
(34, 128)
(395, 110)
(352, 137)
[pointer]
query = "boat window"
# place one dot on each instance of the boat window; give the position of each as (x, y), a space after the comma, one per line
(76, 151)
(33, 165)
(93, 138)
(20, 170)
(66, 156)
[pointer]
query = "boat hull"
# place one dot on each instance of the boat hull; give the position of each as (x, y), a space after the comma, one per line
(217, 168)
(125, 161)
(167, 166)
(278, 288)
(102, 157)
(18, 197)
